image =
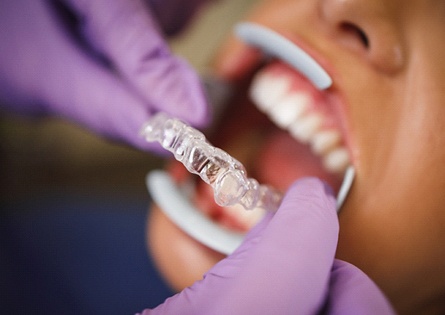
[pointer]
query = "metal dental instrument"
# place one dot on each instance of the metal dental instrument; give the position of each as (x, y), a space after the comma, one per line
(223, 173)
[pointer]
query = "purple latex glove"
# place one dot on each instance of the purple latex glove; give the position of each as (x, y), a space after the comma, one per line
(285, 266)
(111, 76)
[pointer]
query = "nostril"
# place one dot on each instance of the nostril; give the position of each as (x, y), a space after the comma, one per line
(356, 32)
(368, 29)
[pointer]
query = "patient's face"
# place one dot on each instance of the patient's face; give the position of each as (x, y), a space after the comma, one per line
(386, 109)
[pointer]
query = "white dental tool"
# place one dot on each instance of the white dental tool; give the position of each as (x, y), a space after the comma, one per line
(174, 201)
(226, 175)
(278, 46)
(348, 179)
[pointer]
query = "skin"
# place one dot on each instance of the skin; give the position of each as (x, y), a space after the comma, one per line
(180, 259)
(386, 60)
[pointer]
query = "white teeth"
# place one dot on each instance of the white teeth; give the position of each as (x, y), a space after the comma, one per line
(305, 128)
(289, 109)
(267, 90)
(337, 160)
(325, 140)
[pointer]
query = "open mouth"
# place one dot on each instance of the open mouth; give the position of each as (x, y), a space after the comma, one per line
(289, 129)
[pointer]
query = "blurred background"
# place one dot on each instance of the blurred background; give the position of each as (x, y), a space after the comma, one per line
(73, 206)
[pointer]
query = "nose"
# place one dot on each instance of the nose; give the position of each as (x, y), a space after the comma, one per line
(369, 28)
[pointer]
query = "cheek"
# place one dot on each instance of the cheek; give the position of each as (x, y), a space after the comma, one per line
(392, 225)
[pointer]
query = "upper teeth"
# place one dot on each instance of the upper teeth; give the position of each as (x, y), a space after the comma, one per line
(291, 110)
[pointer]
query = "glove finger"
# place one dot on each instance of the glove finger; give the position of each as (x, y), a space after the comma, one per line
(292, 262)
(95, 98)
(308, 217)
(127, 34)
(353, 292)
(47, 72)
(26, 29)
(79, 89)
(229, 267)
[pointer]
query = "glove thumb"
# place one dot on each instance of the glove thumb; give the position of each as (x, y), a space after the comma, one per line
(353, 292)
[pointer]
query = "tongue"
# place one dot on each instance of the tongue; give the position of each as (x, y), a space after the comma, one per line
(283, 160)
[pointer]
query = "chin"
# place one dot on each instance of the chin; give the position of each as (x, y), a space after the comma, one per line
(180, 259)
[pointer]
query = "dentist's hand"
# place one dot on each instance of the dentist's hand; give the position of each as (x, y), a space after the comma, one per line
(285, 266)
(101, 63)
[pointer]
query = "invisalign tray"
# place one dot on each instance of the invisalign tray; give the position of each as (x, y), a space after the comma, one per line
(225, 174)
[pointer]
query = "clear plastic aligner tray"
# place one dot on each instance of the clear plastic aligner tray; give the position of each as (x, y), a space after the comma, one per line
(223, 173)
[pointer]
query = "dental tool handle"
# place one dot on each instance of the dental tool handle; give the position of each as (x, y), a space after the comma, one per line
(226, 175)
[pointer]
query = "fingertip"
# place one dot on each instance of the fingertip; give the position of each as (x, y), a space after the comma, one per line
(351, 291)
(309, 207)
(315, 183)
(253, 236)
(128, 35)
(313, 188)
(175, 88)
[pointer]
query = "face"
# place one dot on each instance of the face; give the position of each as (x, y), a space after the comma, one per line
(387, 104)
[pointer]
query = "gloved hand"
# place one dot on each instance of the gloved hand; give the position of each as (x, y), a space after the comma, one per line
(285, 266)
(101, 63)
